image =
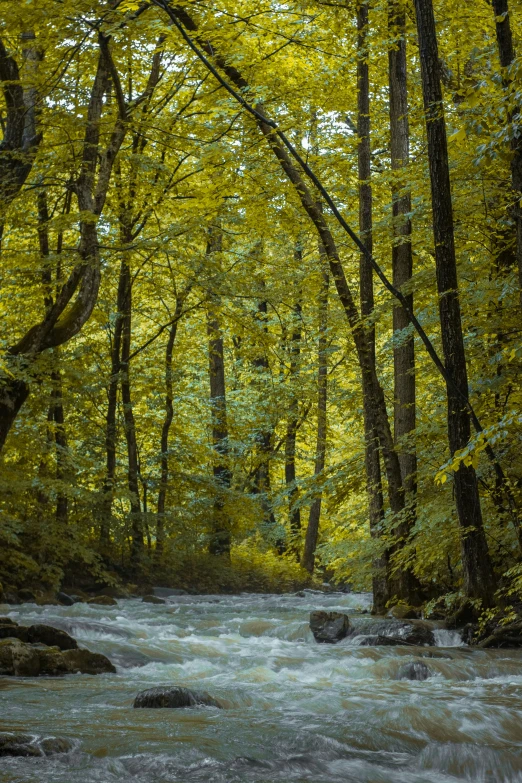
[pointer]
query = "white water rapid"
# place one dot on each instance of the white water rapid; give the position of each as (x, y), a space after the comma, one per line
(295, 711)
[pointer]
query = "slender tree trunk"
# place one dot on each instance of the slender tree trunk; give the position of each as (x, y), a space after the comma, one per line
(137, 544)
(111, 424)
(294, 511)
(314, 517)
(261, 479)
(219, 543)
(371, 456)
(165, 431)
(479, 578)
(60, 441)
(404, 583)
(506, 51)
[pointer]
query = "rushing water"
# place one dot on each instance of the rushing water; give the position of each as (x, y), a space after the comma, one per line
(295, 711)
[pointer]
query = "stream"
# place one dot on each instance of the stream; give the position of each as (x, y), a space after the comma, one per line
(295, 711)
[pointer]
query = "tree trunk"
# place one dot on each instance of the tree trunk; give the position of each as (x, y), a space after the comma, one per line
(314, 517)
(137, 544)
(506, 52)
(111, 425)
(60, 441)
(219, 543)
(165, 431)
(479, 579)
(261, 484)
(371, 449)
(294, 511)
(404, 583)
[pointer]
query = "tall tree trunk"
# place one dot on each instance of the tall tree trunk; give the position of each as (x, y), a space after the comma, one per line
(60, 440)
(294, 511)
(111, 425)
(371, 456)
(137, 544)
(479, 579)
(165, 431)
(506, 51)
(219, 543)
(405, 584)
(314, 517)
(263, 437)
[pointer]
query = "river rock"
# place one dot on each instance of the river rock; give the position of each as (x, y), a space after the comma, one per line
(87, 662)
(102, 600)
(403, 612)
(26, 596)
(174, 697)
(166, 592)
(416, 633)
(7, 621)
(30, 745)
(52, 637)
(329, 627)
(14, 632)
(415, 670)
(64, 599)
(31, 660)
(151, 599)
(52, 661)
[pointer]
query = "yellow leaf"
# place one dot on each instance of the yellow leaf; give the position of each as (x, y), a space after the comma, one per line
(460, 135)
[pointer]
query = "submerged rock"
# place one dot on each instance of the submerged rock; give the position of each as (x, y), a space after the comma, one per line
(174, 697)
(152, 599)
(166, 592)
(102, 600)
(329, 627)
(415, 670)
(30, 745)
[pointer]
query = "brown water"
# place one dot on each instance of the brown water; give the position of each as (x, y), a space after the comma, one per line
(295, 712)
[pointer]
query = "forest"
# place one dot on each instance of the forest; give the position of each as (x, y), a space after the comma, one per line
(261, 288)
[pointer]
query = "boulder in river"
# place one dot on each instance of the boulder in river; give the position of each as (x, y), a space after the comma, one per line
(29, 745)
(18, 659)
(174, 697)
(415, 633)
(64, 599)
(329, 627)
(415, 670)
(14, 631)
(102, 600)
(52, 637)
(152, 599)
(403, 612)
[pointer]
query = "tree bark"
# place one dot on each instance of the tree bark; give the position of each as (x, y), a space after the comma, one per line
(219, 543)
(479, 579)
(405, 585)
(314, 517)
(137, 544)
(294, 511)
(165, 432)
(506, 52)
(371, 448)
